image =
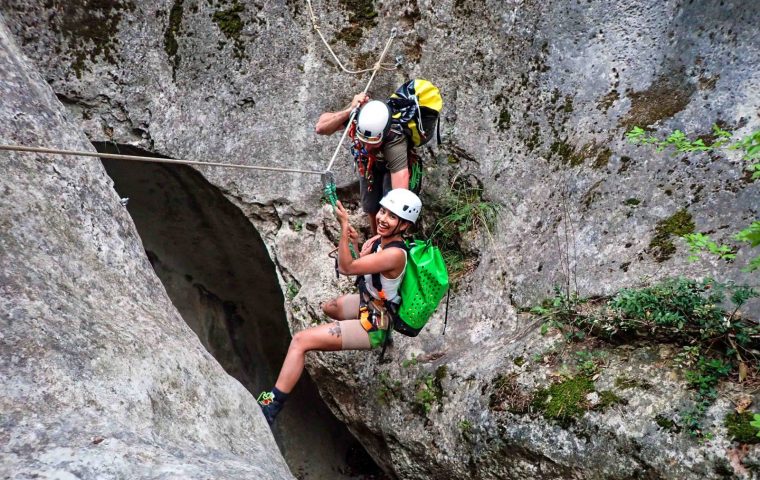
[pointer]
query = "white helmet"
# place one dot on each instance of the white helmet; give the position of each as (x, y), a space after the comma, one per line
(404, 203)
(373, 122)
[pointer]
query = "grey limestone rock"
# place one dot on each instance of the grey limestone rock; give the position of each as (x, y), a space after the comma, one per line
(101, 376)
(538, 96)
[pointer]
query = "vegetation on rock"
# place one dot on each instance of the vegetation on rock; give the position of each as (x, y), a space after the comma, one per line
(717, 341)
(683, 226)
(740, 427)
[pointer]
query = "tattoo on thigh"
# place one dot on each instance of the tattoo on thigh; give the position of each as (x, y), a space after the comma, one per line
(335, 329)
(333, 303)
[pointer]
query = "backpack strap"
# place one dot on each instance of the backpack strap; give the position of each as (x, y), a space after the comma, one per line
(379, 287)
(376, 276)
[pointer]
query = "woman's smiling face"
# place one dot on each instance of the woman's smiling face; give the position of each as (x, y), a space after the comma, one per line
(387, 222)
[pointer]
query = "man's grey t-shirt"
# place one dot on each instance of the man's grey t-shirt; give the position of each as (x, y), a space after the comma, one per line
(394, 153)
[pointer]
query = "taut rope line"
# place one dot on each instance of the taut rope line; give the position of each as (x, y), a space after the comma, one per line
(20, 148)
(327, 177)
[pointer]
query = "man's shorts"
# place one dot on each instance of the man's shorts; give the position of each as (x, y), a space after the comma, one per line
(395, 158)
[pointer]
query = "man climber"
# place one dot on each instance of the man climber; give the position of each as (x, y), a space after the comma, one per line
(380, 149)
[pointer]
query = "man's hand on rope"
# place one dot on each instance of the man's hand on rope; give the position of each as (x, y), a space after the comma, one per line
(359, 99)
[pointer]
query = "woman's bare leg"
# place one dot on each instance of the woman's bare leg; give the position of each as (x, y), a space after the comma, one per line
(345, 307)
(323, 337)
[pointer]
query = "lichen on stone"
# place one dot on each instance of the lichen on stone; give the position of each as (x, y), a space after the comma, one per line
(608, 398)
(606, 101)
(665, 97)
(231, 24)
(361, 14)
(507, 395)
(90, 29)
(171, 46)
(625, 383)
(602, 159)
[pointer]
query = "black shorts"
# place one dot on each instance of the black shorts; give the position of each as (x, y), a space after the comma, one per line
(380, 186)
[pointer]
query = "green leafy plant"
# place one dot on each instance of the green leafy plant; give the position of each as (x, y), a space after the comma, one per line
(756, 422)
(680, 143)
(678, 140)
(292, 290)
(465, 426)
(429, 390)
(388, 388)
(699, 242)
(559, 311)
(410, 362)
(461, 210)
(589, 362)
(464, 211)
(703, 379)
(751, 235)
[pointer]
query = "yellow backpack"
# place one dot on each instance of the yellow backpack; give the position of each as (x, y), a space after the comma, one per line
(416, 107)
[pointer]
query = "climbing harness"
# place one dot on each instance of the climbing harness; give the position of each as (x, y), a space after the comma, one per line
(377, 67)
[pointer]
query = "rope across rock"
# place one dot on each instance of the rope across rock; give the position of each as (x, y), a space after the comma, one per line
(328, 179)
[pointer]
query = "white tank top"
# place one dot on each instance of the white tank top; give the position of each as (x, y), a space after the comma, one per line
(390, 285)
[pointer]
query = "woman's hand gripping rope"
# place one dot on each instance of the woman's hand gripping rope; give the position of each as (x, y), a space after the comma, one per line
(331, 194)
(350, 232)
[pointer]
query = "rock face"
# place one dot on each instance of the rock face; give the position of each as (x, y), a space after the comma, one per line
(537, 98)
(101, 376)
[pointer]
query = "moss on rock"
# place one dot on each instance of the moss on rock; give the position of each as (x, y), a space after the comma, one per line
(171, 46)
(678, 224)
(739, 428)
(361, 13)
(90, 29)
(608, 398)
(231, 24)
(564, 401)
(666, 96)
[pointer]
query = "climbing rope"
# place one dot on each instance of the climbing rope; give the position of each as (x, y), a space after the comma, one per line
(136, 158)
(379, 65)
(328, 180)
(353, 113)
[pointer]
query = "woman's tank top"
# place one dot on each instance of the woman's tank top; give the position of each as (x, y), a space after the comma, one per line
(390, 285)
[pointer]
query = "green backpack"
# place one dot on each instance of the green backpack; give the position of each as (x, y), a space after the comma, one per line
(425, 283)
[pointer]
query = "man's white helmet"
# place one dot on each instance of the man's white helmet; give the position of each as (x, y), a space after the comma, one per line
(373, 122)
(404, 203)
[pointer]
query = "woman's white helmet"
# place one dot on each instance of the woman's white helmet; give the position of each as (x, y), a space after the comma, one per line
(373, 122)
(404, 203)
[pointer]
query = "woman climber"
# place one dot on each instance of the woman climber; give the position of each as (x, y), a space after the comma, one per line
(361, 320)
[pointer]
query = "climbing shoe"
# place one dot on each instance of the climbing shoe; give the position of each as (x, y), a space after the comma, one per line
(271, 403)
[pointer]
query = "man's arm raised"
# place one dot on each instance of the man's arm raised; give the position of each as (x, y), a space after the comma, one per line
(331, 122)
